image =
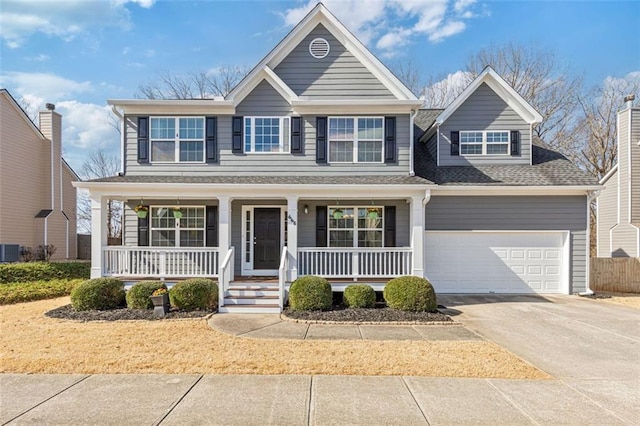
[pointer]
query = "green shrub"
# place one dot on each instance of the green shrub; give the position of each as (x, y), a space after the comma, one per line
(410, 293)
(138, 296)
(35, 290)
(310, 293)
(43, 271)
(194, 294)
(359, 296)
(99, 294)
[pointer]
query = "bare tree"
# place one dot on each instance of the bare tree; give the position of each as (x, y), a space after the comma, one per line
(193, 85)
(99, 164)
(411, 75)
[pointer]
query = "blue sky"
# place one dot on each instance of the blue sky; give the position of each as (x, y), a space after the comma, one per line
(79, 53)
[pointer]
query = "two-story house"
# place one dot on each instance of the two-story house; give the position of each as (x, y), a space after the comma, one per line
(37, 199)
(321, 162)
(619, 201)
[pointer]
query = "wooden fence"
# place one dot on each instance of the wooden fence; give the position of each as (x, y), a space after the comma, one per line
(617, 274)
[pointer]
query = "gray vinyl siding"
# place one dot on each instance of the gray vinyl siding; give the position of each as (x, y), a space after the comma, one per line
(635, 166)
(266, 164)
(607, 215)
(484, 110)
(337, 76)
(517, 213)
(623, 165)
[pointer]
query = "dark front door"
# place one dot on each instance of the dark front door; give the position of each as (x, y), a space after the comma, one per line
(266, 238)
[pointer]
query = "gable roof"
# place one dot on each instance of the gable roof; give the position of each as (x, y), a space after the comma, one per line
(502, 89)
(321, 15)
(22, 113)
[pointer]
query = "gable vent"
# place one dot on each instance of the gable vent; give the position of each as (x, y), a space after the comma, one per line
(319, 48)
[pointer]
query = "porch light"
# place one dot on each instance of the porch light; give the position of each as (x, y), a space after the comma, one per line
(306, 209)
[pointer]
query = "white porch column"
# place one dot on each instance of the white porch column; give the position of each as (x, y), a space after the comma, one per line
(224, 226)
(416, 219)
(98, 233)
(292, 235)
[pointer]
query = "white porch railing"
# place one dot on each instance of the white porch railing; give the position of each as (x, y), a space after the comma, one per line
(355, 262)
(160, 261)
(283, 270)
(226, 275)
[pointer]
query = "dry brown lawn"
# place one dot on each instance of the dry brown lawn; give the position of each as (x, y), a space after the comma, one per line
(33, 343)
(631, 300)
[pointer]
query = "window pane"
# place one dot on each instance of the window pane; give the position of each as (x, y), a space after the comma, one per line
(163, 128)
(471, 149)
(191, 128)
(161, 217)
(267, 137)
(369, 238)
(286, 128)
(497, 137)
(191, 151)
(341, 238)
(192, 218)
(341, 128)
(247, 135)
(341, 151)
(162, 151)
(370, 128)
(370, 151)
(497, 148)
(163, 238)
(191, 238)
(370, 218)
(470, 137)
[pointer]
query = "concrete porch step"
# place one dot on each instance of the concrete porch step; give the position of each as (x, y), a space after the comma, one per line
(237, 292)
(253, 300)
(250, 309)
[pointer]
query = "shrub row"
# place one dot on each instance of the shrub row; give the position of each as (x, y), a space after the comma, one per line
(43, 271)
(35, 290)
(108, 293)
(407, 293)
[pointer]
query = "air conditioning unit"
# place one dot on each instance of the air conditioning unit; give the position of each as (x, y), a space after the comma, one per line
(9, 253)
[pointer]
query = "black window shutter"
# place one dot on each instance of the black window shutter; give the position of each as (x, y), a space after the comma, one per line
(143, 229)
(296, 135)
(143, 139)
(212, 226)
(236, 135)
(515, 142)
(390, 226)
(455, 143)
(389, 139)
(321, 226)
(211, 145)
(321, 139)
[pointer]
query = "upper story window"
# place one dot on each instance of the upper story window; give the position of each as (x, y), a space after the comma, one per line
(355, 139)
(484, 142)
(169, 231)
(177, 139)
(266, 134)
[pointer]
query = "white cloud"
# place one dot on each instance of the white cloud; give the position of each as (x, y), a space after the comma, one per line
(65, 19)
(395, 23)
(38, 58)
(443, 92)
(87, 126)
(47, 86)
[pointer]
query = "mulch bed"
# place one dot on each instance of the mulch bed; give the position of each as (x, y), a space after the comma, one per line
(381, 313)
(67, 312)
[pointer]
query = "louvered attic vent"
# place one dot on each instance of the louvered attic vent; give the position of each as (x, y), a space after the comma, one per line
(319, 48)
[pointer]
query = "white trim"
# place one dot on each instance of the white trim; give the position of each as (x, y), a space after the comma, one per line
(438, 145)
(169, 106)
(271, 78)
(484, 144)
(606, 177)
(502, 89)
(326, 44)
(354, 106)
(247, 268)
(412, 117)
(176, 227)
(177, 140)
(253, 134)
(355, 140)
(514, 190)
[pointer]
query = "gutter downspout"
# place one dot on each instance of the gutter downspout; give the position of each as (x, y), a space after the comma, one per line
(412, 116)
(122, 152)
(591, 195)
(62, 207)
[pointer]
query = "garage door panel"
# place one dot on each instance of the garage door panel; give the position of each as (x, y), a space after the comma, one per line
(486, 262)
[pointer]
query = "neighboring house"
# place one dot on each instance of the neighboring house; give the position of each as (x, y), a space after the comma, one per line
(37, 199)
(619, 202)
(321, 162)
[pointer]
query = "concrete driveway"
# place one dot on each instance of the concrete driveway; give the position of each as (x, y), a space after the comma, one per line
(591, 346)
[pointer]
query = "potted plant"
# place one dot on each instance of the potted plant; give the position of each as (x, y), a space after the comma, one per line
(338, 213)
(141, 211)
(177, 212)
(160, 299)
(372, 213)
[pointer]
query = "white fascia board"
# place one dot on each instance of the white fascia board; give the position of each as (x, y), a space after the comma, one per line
(502, 89)
(272, 78)
(206, 191)
(355, 106)
(514, 190)
(610, 173)
(173, 106)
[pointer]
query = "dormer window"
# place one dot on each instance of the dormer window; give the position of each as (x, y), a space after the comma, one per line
(484, 142)
(177, 139)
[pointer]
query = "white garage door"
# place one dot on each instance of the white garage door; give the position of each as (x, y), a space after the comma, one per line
(495, 262)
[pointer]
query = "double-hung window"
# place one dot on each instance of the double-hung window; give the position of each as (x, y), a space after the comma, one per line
(266, 134)
(356, 139)
(168, 231)
(356, 226)
(177, 139)
(484, 142)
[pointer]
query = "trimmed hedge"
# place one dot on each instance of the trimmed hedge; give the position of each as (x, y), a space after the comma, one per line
(194, 294)
(43, 271)
(410, 293)
(35, 290)
(359, 296)
(139, 295)
(98, 294)
(310, 293)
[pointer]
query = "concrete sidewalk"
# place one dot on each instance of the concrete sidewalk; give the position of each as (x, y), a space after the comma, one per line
(271, 326)
(295, 400)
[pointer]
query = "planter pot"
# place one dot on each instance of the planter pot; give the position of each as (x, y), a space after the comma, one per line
(372, 215)
(337, 214)
(177, 214)
(142, 213)
(160, 305)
